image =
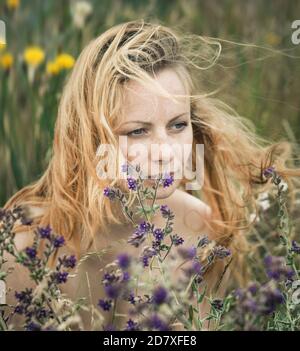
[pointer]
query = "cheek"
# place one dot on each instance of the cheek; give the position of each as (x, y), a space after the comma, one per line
(135, 151)
(184, 141)
(189, 135)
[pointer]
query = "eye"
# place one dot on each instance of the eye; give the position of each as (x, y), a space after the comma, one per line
(136, 132)
(180, 126)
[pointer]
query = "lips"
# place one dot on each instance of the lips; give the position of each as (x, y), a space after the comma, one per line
(153, 177)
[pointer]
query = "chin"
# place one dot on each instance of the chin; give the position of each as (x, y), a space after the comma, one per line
(163, 193)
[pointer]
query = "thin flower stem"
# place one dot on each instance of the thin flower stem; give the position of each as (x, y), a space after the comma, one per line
(169, 249)
(141, 204)
(155, 192)
(114, 310)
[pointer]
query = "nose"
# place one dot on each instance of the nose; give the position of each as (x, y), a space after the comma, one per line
(161, 153)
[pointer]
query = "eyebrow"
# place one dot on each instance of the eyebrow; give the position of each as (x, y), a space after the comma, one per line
(149, 123)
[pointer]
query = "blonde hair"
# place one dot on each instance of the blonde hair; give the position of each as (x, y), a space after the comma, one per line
(70, 190)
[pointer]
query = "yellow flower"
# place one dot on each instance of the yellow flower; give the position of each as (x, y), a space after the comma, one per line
(65, 61)
(34, 56)
(6, 60)
(61, 62)
(13, 4)
(52, 68)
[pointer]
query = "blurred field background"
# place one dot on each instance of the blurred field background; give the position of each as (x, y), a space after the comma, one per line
(44, 37)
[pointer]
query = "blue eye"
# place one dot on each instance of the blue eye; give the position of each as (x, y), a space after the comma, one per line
(141, 131)
(181, 125)
(136, 132)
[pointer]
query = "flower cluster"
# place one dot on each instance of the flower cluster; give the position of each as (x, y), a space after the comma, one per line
(277, 269)
(139, 235)
(158, 250)
(36, 305)
(256, 301)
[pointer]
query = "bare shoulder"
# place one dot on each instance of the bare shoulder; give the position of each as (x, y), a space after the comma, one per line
(195, 211)
(190, 202)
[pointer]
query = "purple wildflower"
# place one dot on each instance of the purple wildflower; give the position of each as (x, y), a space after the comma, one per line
(144, 226)
(253, 288)
(110, 193)
(270, 299)
(277, 269)
(295, 247)
(261, 300)
(31, 252)
(160, 295)
(123, 260)
(250, 305)
(131, 298)
(45, 232)
(167, 181)
(187, 253)
(177, 240)
(59, 241)
(108, 278)
(69, 262)
(145, 261)
(112, 291)
(105, 304)
(24, 296)
(147, 253)
(126, 276)
(19, 309)
(139, 235)
(131, 183)
(194, 267)
(156, 323)
(221, 252)
(131, 325)
(158, 234)
(61, 277)
(268, 172)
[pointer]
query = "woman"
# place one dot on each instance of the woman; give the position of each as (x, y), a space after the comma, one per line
(138, 80)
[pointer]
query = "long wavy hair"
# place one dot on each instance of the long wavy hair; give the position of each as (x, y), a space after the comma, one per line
(70, 191)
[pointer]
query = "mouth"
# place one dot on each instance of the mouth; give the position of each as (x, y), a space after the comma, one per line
(154, 177)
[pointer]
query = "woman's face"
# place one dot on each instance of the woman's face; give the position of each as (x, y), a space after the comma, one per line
(155, 129)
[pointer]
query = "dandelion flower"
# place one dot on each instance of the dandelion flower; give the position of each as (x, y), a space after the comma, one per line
(65, 61)
(52, 68)
(6, 61)
(12, 4)
(34, 56)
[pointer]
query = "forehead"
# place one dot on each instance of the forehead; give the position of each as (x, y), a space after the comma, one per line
(142, 99)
